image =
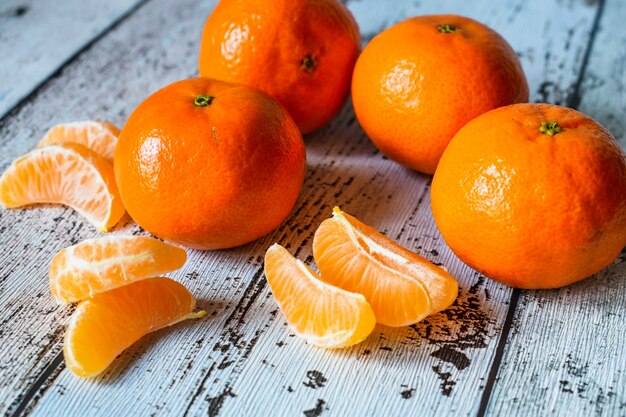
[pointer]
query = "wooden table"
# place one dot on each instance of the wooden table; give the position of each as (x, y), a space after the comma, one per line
(495, 352)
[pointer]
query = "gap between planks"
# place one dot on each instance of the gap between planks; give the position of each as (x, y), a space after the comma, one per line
(51, 371)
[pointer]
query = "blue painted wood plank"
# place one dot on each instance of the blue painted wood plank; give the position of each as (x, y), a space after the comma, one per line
(37, 37)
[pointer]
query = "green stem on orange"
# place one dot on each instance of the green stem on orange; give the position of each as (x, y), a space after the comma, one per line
(445, 28)
(550, 128)
(203, 100)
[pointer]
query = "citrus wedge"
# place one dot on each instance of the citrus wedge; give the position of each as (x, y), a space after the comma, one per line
(324, 315)
(69, 174)
(105, 325)
(98, 265)
(100, 137)
(402, 287)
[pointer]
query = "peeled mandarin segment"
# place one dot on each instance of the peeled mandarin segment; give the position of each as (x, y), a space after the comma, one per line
(401, 286)
(105, 325)
(99, 136)
(97, 265)
(69, 174)
(324, 315)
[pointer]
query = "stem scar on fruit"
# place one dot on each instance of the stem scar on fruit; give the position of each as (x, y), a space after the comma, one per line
(203, 100)
(446, 28)
(550, 128)
(308, 63)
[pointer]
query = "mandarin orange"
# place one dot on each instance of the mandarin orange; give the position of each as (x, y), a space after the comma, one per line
(301, 52)
(418, 82)
(532, 195)
(209, 164)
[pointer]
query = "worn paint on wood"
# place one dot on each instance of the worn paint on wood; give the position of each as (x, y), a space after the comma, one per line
(38, 37)
(242, 359)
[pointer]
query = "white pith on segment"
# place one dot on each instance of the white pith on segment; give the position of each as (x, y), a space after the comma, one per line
(78, 264)
(354, 232)
(109, 262)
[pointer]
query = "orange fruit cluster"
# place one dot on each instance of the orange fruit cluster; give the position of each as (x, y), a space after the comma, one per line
(531, 195)
(118, 304)
(365, 278)
(200, 155)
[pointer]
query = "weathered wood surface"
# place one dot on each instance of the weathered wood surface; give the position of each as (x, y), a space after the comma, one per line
(566, 354)
(37, 37)
(242, 359)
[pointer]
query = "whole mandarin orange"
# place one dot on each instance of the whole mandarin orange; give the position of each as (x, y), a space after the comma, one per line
(209, 164)
(532, 195)
(418, 82)
(301, 52)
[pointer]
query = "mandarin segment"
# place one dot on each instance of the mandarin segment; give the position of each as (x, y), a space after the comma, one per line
(99, 136)
(102, 264)
(324, 315)
(104, 326)
(532, 195)
(401, 286)
(69, 174)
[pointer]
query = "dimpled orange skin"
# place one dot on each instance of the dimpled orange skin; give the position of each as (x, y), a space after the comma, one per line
(414, 86)
(209, 177)
(529, 209)
(263, 43)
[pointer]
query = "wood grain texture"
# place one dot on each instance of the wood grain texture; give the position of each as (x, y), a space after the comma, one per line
(38, 36)
(242, 359)
(566, 355)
